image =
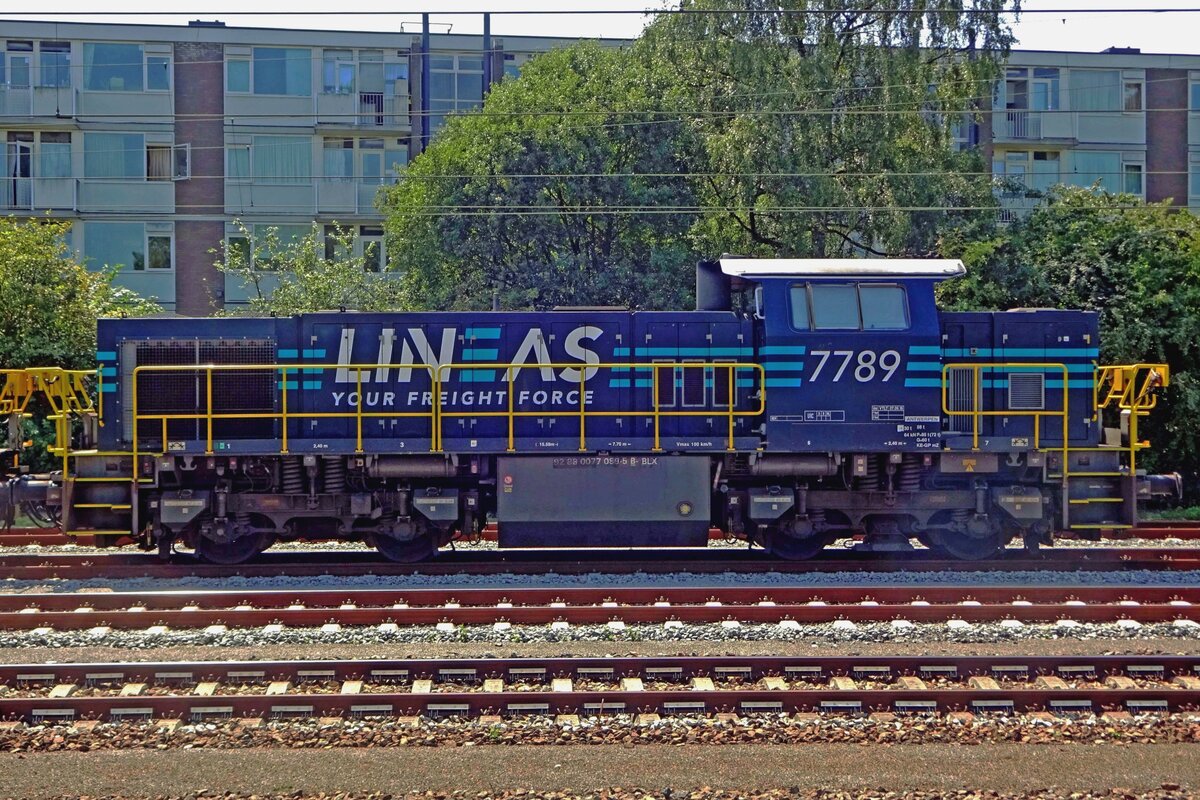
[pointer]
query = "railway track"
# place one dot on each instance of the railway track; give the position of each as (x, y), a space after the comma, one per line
(163, 611)
(594, 686)
(49, 566)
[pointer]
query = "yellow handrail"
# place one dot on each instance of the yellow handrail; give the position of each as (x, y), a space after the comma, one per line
(656, 413)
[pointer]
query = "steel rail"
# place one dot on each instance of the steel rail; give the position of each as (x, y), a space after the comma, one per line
(37, 566)
(537, 606)
(304, 688)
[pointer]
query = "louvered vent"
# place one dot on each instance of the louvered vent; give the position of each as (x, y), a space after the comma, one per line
(1027, 391)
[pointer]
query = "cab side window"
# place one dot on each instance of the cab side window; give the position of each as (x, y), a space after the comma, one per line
(799, 301)
(884, 308)
(835, 306)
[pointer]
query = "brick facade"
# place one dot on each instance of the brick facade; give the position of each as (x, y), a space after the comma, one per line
(1167, 135)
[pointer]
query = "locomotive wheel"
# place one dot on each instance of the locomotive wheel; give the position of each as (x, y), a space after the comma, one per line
(405, 552)
(968, 548)
(793, 548)
(238, 551)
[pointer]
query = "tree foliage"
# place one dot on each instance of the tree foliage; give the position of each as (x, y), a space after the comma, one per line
(49, 302)
(1137, 264)
(540, 198)
(308, 273)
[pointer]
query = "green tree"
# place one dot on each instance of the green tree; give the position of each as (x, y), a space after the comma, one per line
(822, 128)
(49, 302)
(307, 273)
(563, 191)
(1136, 263)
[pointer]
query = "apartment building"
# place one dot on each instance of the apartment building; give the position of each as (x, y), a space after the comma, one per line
(154, 139)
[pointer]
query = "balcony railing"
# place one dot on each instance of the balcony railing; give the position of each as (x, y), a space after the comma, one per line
(1021, 125)
(379, 110)
(38, 194)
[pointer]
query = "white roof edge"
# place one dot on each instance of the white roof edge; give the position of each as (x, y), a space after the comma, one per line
(828, 267)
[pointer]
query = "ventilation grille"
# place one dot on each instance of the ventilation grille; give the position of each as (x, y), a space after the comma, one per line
(1027, 391)
(960, 397)
(186, 391)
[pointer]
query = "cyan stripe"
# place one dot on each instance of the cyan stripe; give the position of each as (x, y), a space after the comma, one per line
(644, 383)
(1088, 368)
(313, 371)
(695, 351)
(286, 385)
(312, 384)
(482, 333)
(924, 350)
(106, 355)
(287, 353)
(618, 383)
(316, 352)
(1033, 352)
(924, 366)
(784, 366)
(745, 383)
(480, 354)
(783, 350)
(108, 372)
(782, 383)
(476, 375)
(618, 352)
(1079, 384)
(108, 388)
(922, 383)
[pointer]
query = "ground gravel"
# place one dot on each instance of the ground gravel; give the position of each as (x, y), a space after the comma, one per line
(1169, 791)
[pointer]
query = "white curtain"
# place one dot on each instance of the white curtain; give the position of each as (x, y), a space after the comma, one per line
(114, 155)
(282, 159)
(1096, 90)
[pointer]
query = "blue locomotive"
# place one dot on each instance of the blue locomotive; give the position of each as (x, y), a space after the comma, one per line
(837, 399)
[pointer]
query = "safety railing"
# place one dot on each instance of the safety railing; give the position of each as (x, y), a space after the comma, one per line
(657, 413)
(1133, 388)
(976, 412)
(208, 416)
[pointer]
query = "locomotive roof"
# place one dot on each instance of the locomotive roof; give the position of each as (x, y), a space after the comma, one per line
(848, 267)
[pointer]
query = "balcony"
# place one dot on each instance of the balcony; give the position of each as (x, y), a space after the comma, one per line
(347, 196)
(38, 194)
(364, 111)
(118, 194)
(1020, 125)
(28, 102)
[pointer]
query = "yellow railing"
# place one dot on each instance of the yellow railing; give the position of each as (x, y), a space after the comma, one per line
(1134, 388)
(656, 413)
(977, 412)
(437, 411)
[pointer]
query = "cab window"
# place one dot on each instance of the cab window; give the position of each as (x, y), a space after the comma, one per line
(884, 308)
(835, 306)
(799, 301)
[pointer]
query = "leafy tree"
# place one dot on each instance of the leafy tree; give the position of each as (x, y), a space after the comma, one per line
(563, 191)
(49, 302)
(823, 129)
(1135, 263)
(308, 273)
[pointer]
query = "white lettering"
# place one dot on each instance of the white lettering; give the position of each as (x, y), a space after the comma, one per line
(535, 345)
(575, 349)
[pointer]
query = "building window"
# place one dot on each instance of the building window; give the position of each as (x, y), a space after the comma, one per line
(114, 155)
(281, 159)
(1133, 179)
(272, 241)
(337, 72)
(158, 162)
(1195, 175)
(1043, 95)
(18, 57)
(56, 64)
(158, 73)
(115, 244)
(456, 84)
(237, 162)
(111, 67)
(282, 70)
(370, 240)
(159, 247)
(1132, 94)
(55, 156)
(338, 157)
(1096, 90)
(237, 76)
(1195, 96)
(1091, 166)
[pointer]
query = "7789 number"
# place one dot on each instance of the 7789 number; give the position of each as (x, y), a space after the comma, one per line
(865, 365)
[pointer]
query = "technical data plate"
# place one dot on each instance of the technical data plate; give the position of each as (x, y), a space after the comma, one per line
(615, 500)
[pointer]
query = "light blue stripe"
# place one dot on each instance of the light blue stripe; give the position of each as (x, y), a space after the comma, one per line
(783, 382)
(695, 351)
(620, 351)
(1033, 352)
(480, 354)
(108, 388)
(482, 333)
(316, 352)
(644, 383)
(924, 366)
(312, 384)
(108, 372)
(783, 350)
(106, 355)
(784, 366)
(1088, 368)
(745, 383)
(924, 350)
(476, 375)
(619, 383)
(313, 371)
(286, 385)
(287, 353)
(1080, 384)
(922, 383)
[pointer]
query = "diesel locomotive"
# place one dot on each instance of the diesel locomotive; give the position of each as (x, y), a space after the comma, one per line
(837, 398)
